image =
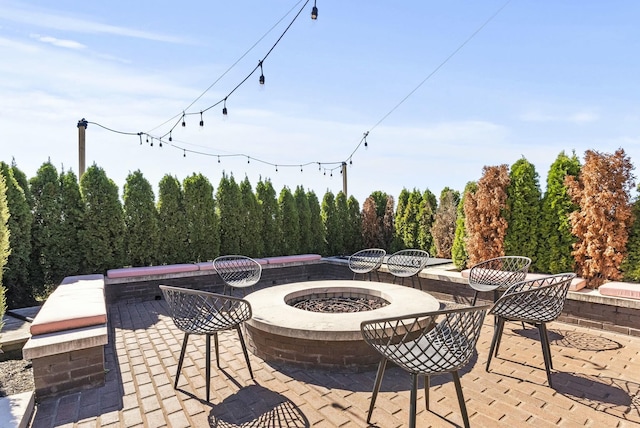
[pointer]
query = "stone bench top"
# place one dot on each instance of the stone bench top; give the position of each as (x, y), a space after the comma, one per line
(620, 289)
(77, 302)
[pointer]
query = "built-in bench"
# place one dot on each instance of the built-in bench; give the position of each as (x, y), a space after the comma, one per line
(141, 283)
(68, 336)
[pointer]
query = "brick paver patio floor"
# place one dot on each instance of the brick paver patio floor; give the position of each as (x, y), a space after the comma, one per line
(596, 383)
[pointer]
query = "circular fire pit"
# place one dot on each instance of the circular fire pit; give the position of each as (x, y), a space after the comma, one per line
(281, 332)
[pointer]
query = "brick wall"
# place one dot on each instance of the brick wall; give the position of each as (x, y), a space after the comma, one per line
(68, 372)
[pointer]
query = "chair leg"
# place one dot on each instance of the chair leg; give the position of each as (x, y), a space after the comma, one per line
(419, 282)
(208, 362)
(475, 297)
(546, 351)
(394, 279)
(377, 275)
(244, 350)
(495, 342)
(412, 400)
(184, 348)
(463, 406)
(427, 381)
(376, 387)
(215, 343)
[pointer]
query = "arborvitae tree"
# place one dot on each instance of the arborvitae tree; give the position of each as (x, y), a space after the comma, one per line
(203, 231)
(342, 217)
(459, 253)
(523, 211)
(371, 227)
(45, 230)
(411, 220)
(16, 274)
(229, 202)
(318, 236)
(426, 216)
(270, 212)
(484, 215)
(388, 228)
(104, 229)
(141, 221)
(353, 239)
(71, 225)
(601, 226)
(4, 245)
(331, 224)
(172, 224)
(556, 241)
(21, 178)
(290, 223)
(399, 223)
(251, 239)
(444, 224)
(631, 264)
(304, 219)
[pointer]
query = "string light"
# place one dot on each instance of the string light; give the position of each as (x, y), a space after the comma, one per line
(160, 142)
(184, 153)
(261, 80)
(183, 122)
(224, 109)
(365, 139)
(314, 11)
(170, 139)
(201, 121)
(276, 168)
(151, 141)
(218, 158)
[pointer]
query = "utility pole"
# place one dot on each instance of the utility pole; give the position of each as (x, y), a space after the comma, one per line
(344, 179)
(82, 127)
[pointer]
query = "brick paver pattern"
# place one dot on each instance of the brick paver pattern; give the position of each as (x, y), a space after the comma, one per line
(596, 383)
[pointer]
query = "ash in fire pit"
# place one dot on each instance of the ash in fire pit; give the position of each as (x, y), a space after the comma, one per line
(339, 303)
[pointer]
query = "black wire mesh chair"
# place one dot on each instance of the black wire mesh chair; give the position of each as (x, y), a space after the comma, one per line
(366, 261)
(204, 313)
(407, 264)
(536, 302)
(425, 344)
(498, 274)
(238, 272)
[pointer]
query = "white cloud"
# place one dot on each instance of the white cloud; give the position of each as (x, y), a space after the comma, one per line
(52, 20)
(62, 43)
(549, 116)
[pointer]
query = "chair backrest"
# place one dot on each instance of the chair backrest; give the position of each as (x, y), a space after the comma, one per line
(365, 261)
(405, 263)
(430, 342)
(500, 271)
(536, 300)
(238, 271)
(202, 312)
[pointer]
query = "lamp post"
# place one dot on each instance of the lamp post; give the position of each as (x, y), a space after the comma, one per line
(344, 178)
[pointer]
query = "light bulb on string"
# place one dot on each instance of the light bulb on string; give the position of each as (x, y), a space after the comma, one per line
(350, 162)
(276, 168)
(170, 138)
(261, 79)
(248, 159)
(365, 139)
(201, 121)
(184, 153)
(300, 168)
(183, 122)
(140, 135)
(218, 159)
(151, 142)
(224, 109)
(314, 11)
(147, 139)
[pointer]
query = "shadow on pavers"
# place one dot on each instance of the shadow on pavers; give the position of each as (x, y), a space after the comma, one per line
(266, 409)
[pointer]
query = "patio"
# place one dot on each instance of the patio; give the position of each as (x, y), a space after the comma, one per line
(597, 384)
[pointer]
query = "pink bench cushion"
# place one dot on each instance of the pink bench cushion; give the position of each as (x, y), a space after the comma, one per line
(151, 270)
(620, 289)
(293, 259)
(77, 302)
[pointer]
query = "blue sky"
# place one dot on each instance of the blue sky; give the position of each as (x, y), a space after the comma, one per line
(541, 77)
